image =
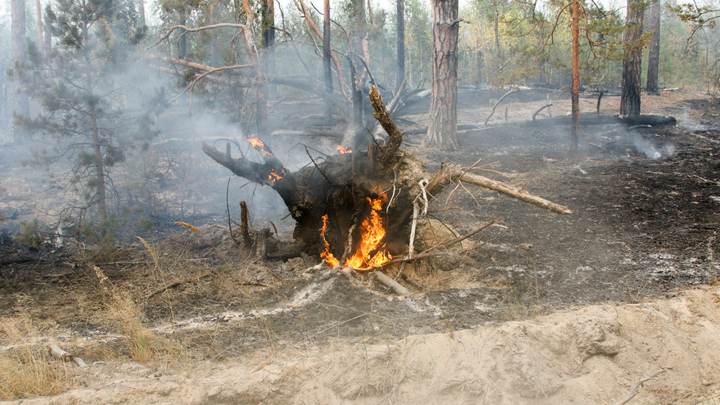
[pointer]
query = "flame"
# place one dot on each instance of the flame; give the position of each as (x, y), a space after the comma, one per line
(258, 144)
(275, 176)
(329, 258)
(371, 233)
(344, 149)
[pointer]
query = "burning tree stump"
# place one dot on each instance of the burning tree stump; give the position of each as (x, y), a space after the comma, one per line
(355, 208)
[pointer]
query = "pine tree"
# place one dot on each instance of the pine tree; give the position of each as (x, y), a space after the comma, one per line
(79, 87)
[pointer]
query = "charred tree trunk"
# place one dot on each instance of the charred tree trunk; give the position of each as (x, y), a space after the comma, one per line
(442, 130)
(21, 105)
(630, 99)
(654, 56)
(400, 43)
(327, 59)
(575, 92)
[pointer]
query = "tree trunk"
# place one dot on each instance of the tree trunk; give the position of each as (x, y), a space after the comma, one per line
(327, 60)
(39, 25)
(575, 92)
(630, 99)
(141, 14)
(261, 117)
(99, 166)
(182, 41)
(654, 56)
(497, 35)
(21, 104)
(268, 18)
(400, 4)
(442, 130)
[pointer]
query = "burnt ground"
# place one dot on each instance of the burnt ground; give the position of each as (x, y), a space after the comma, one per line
(645, 217)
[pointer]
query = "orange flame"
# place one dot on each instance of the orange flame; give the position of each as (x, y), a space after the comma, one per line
(371, 232)
(329, 258)
(344, 149)
(275, 176)
(258, 144)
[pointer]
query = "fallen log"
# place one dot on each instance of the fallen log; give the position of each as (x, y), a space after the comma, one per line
(585, 119)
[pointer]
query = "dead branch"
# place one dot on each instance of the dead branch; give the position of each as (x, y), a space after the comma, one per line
(514, 89)
(634, 389)
(395, 102)
(255, 172)
(317, 167)
(198, 29)
(538, 111)
(60, 354)
(416, 257)
(178, 283)
(314, 27)
(455, 173)
(388, 281)
(460, 238)
(389, 154)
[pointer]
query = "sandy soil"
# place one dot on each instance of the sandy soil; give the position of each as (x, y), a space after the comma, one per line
(591, 355)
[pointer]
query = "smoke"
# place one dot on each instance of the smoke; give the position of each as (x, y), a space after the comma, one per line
(650, 150)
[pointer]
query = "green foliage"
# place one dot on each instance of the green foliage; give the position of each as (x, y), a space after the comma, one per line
(85, 86)
(30, 234)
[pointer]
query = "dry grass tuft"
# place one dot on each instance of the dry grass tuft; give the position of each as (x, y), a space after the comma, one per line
(31, 372)
(143, 344)
(28, 370)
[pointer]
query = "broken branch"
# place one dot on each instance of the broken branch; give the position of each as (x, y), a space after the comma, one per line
(383, 116)
(388, 281)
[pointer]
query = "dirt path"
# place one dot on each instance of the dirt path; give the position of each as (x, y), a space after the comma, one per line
(591, 355)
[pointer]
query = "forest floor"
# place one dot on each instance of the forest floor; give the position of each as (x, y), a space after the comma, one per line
(550, 309)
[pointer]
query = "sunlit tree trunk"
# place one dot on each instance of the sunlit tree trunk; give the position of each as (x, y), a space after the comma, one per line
(654, 56)
(400, 9)
(442, 129)
(630, 100)
(327, 60)
(575, 91)
(19, 55)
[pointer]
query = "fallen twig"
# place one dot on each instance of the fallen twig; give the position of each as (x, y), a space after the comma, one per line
(58, 353)
(634, 389)
(178, 283)
(388, 281)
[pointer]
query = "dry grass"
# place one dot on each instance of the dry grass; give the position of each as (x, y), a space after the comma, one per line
(31, 372)
(28, 370)
(143, 344)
